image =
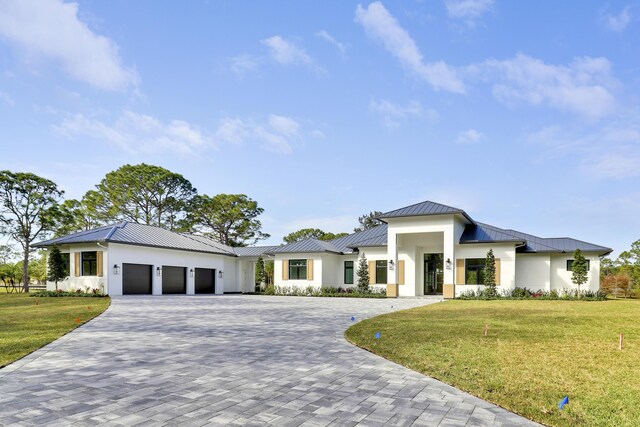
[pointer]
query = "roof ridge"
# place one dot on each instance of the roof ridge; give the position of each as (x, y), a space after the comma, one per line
(114, 228)
(191, 236)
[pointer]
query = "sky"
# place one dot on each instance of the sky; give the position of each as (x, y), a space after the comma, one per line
(525, 114)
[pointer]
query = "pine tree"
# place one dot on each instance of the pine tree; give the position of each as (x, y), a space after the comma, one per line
(579, 269)
(363, 274)
(55, 271)
(260, 273)
(490, 273)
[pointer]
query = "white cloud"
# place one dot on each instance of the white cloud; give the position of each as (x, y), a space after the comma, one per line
(5, 98)
(468, 10)
(242, 63)
(583, 86)
(232, 130)
(618, 22)
(470, 136)
(284, 125)
(286, 52)
(392, 113)
(50, 29)
(317, 134)
(134, 132)
(330, 39)
(380, 25)
(276, 134)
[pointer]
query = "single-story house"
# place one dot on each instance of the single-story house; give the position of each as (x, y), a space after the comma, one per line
(423, 249)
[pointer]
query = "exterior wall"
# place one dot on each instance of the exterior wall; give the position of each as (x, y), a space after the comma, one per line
(317, 270)
(561, 278)
(533, 271)
(72, 282)
(505, 251)
(376, 253)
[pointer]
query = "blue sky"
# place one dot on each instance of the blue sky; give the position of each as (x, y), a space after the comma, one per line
(525, 114)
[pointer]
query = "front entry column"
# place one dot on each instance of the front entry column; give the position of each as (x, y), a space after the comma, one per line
(392, 264)
(449, 263)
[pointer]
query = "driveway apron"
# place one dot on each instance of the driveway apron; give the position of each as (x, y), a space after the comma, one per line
(230, 360)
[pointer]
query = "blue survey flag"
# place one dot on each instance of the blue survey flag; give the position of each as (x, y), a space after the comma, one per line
(563, 402)
(353, 318)
(377, 335)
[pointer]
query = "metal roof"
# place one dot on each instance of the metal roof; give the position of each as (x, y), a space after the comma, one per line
(130, 233)
(253, 250)
(310, 245)
(425, 208)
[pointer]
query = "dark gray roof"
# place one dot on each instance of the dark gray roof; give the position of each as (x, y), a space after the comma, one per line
(425, 208)
(482, 233)
(310, 245)
(253, 250)
(130, 233)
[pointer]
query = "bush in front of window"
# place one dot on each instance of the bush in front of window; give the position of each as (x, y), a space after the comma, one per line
(527, 294)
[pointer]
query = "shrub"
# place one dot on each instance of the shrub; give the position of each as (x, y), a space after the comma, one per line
(524, 293)
(77, 293)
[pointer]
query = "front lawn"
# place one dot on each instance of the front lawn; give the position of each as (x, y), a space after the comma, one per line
(28, 323)
(534, 354)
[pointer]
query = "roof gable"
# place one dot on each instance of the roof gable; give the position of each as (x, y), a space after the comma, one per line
(424, 209)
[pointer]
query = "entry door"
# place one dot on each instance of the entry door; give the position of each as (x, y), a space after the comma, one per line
(433, 274)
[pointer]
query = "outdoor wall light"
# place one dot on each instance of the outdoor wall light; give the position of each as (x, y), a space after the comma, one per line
(220, 274)
(158, 271)
(116, 269)
(448, 263)
(191, 273)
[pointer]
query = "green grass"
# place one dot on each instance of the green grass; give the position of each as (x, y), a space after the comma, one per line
(535, 353)
(28, 323)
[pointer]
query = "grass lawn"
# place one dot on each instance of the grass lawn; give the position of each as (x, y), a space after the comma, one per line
(28, 323)
(535, 353)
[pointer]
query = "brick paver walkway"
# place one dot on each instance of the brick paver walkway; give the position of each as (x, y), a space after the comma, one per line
(230, 360)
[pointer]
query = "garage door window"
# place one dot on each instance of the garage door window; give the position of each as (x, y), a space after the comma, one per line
(89, 263)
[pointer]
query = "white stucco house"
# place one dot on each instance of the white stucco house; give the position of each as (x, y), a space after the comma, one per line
(423, 249)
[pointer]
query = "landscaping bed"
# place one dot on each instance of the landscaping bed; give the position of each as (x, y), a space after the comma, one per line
(534, 354)
(312, 291)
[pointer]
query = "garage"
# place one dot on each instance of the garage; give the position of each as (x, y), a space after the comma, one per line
(205, 281)
(136, 279)
(174, 280)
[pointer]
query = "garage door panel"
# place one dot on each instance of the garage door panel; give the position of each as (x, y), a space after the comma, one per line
(174, 280)
(136, 279)
(205, 281)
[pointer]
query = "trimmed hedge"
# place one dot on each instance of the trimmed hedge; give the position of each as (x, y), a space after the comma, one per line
(528, 294)
(311, 291)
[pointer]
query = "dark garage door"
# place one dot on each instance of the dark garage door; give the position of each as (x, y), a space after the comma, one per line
(205, 281)
(136, 279)
(174, 280)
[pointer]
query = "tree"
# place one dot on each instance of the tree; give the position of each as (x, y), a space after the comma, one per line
(260, 273)
(10, 275)
(228, 218)
(6, 254)
(74, 216)
(490, 272)
(144, 194)
(56, 271)
(579, 269)
(268, 271)
(27, 210)
(38, 269)
(368, 221)
(363, 274)
(306, 233)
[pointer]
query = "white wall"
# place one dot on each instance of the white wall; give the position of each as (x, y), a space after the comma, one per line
(533, 271)
(84, 283)
(561, 278)
(505, 251)
(317, 270)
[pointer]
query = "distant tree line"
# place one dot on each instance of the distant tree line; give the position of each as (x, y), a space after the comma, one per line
(621, 277)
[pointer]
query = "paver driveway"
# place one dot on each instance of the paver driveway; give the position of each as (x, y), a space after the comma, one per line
(229, 360)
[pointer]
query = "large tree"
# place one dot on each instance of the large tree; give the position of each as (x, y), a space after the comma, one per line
(306, 233)
(230, 219)
(27, 210)
(368, 221)
(75, 216)
(142, 193)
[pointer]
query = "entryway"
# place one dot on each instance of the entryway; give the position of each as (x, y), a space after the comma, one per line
(433, 274)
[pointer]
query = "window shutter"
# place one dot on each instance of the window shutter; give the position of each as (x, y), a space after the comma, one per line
(400, 272)
(372, 272)
(309, 269)
(460, 272)
(99, 263)
(498, 271)
(285, 269)
(76, 264)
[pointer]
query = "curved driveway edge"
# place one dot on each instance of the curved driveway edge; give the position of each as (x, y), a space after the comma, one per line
(230, 360)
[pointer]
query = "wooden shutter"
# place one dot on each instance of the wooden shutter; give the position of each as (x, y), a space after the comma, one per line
(460, 272)
(372, 272)
(99, 263)
(400, 272)
(497, 271)
(285, 269)
(309, 269)
(76, 264)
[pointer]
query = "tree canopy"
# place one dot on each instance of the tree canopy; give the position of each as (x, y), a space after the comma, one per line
(27, 210)
(368, 221)
(306, 233)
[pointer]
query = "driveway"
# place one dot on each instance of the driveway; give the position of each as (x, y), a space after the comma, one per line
(230, 360)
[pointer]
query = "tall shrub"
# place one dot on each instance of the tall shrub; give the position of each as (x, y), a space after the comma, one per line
(363, 274)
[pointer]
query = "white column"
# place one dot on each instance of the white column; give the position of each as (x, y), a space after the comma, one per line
(392, 255)
(156, 282)
(191, 281)
(449, 254)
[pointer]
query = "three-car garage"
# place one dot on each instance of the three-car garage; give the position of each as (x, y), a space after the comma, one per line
(137, 279)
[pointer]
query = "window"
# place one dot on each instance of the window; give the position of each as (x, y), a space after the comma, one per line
(570, 265)
(381, 272)
(66, 263)
(348, 272)
(474, 271)
(89, 263)
(298, 269)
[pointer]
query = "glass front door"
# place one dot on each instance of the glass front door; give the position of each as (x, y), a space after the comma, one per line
(433, 273)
